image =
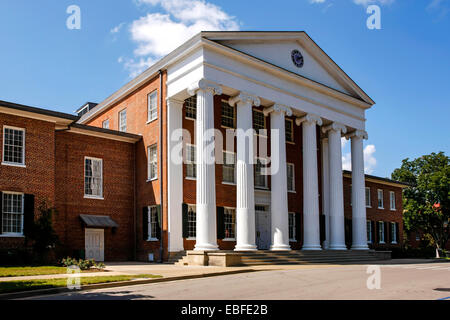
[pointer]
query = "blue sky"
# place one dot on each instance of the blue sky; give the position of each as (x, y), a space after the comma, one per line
(404, 66)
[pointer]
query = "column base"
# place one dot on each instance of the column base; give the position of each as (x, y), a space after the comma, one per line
(360, 247)
(325, 245)
(246, 247)
(311, 248)
(206, 247)
(280, 247)
(341, 247)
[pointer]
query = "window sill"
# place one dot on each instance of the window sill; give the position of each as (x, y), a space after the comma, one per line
(152, 240)
(369, 207)
(292, 191)
(225, 127)
(394, 242)
(191, 179)
(150, 121)
(262, 188)
(229, 239)
(192, 119)
(191, 239)
(290, 142)
(393, 209)
(369, 242)
(151, 180)
(382, 242)
(18, 165)
(229, 183)
(380, 208)
(93, 197)
(11, 235)
(292, 240)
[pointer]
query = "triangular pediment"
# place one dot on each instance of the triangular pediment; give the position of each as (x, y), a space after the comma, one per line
(277, 48)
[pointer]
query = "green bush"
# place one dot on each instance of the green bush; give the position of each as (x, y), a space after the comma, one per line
(83, 264)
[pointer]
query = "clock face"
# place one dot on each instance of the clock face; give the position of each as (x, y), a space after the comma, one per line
(297, 58)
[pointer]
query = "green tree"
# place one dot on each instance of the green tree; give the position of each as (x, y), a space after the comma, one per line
(426, 201)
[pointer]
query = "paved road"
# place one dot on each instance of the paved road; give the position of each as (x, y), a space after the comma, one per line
(412, 281)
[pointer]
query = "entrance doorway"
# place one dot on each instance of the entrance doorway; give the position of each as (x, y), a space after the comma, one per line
(262, 219)
(95, 244)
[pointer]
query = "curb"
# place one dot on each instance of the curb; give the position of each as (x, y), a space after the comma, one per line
(40, 292)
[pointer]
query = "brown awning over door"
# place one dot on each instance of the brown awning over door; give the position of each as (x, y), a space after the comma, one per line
(98, 221)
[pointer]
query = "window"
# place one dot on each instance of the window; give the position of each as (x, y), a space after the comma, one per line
(260, 178)
(228, 168)
(230, 223)
(394, 232)
(93, 178)
(123, 120)
(368, 205)
(380, 199)
(192, 222)
(12, 214)
(152, 223)
(227, 115)
(292, 227)
(13, 146)
(259, 121)
(152, 106)
(191, 108)
(191, 170)
(369, 232)
(417, 236)
(105, 124)
(290, 177)
(392, 200)
(381, 238)
(289, 127)
(152, 162)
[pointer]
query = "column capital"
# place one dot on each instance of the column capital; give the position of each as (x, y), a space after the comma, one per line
(175, 102)
(246, 98)
(277, 107)
(310, 118)
(204, 85)
(335, 126)
(357, 134)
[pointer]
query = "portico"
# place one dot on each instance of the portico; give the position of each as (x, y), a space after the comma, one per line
(326, 106)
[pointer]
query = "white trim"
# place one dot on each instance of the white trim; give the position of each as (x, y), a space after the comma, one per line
(15, 164)
(13, 234)
(89, 196)
(370, 197)
(154, 92)
(392, 208)
(120, 120)
(293, 177)
(149, 224)
(149, 148)
(294, 227)
(382, 199)
(292, 131)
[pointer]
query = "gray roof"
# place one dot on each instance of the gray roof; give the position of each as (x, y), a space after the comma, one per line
(98, 221)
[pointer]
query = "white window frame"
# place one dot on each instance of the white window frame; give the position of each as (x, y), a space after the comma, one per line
(234, 214)
(194, 207)
(368, 199)
(13, 234)
(294, 227)
(292, 131)
(392, 201)
(13, 164)
(266, 183)
(418, 237)
(153, 147)
(150, 222)
(121, 124)
(369, 229)
(189, 162)
(381, 231)
(186, 109)
(382, 199)
(225, 165)
(105, 124)
(152, 110)
(257, 131)
(221, 115)
(293, 176)
(394, 233)
(89, 196)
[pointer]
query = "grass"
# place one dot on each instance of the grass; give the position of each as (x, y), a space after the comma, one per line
(27, 285)
(30, 271)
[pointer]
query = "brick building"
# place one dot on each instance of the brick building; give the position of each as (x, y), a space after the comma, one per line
(145, 202)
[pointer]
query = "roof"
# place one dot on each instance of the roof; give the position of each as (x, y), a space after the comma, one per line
(203, 38)
(44, 112)
(130, 137)
(380, 180)
(98, 221)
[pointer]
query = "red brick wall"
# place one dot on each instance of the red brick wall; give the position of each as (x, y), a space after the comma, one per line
(38, 177)
(118, 192)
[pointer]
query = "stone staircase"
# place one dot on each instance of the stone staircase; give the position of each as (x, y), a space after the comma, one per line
(296, 257)
(176, 257)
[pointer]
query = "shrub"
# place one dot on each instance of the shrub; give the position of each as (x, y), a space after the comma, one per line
(83, 264)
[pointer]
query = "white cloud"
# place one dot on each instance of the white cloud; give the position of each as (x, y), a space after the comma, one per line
(317, 1)
(117, 28)
(370, 162)
(158, 33)
(368, 2)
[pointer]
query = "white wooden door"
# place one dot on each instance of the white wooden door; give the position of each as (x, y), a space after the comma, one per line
(262, 228)
(95, 244)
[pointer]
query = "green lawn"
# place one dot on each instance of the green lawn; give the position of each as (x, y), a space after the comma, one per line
(27, 285)
(30, 271)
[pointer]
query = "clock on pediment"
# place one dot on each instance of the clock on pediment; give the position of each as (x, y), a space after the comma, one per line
(297, 58)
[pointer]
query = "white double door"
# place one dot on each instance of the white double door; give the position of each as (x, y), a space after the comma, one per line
(263, 227)
(95, 244)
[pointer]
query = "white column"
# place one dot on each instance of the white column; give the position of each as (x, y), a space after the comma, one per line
(206, 239)
(337, 227)
(245, 195)
(359, 219)
(175, 173)
(311, 219)
(326, 192)
(279, 192)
